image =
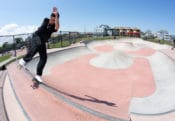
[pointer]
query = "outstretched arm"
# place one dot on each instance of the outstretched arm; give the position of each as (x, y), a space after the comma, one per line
(57, 23)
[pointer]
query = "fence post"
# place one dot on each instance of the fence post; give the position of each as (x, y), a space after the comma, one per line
(14, 44)
(61, 39)
(69, 39)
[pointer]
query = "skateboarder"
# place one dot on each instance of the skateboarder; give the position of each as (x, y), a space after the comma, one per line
(38, 40)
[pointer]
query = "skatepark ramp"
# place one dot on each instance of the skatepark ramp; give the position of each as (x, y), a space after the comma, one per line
(110, 80)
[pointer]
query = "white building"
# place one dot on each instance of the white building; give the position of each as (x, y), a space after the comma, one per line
(167, 37)
(163, 35)
(103, 30)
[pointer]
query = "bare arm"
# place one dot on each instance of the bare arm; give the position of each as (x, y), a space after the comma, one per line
(57, 23)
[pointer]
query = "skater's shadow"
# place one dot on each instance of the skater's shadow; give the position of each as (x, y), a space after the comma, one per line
(88, 98)
(92, 99)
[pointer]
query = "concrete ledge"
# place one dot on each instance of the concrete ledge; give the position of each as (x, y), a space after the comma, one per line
(13, 107)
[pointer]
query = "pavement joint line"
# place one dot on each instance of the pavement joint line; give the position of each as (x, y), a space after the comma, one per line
(14, 92)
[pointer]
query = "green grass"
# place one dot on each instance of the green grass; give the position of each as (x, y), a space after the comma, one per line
(65, 43)
(98, 38)
(160, 41)
(5, 57)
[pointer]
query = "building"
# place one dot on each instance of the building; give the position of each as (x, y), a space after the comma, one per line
(167, 37)
(163, 35)
(103, 30)
(126, 31)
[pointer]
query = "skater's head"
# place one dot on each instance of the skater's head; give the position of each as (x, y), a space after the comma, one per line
(53, 15)
(52, 18)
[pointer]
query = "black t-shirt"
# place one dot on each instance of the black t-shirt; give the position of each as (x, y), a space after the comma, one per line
(45, 30)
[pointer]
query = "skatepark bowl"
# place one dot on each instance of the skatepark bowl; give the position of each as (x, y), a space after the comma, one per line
(109, 80)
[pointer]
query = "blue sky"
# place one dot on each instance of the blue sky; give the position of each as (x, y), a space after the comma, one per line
(85, 15)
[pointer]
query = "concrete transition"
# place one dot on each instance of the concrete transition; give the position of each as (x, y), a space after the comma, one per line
(113, 60)
(114, 80)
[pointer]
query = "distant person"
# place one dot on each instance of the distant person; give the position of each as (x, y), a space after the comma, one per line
(173, 44)
(38, 43)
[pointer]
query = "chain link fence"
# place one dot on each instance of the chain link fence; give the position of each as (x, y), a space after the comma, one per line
(13, 45)
(17, 45)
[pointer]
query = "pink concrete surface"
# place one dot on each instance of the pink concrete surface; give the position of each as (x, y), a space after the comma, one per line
(106, 91)
(104, 48)
(142, 52)
(41, 105)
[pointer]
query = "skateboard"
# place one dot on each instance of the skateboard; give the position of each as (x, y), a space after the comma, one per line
(35, 84)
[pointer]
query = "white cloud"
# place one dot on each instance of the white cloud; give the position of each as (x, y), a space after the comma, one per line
(12, 29)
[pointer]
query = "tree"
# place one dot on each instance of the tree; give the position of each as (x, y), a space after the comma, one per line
(142, 33)
(18, 40)
(1, 50)
(5, 45)
(149, 35)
